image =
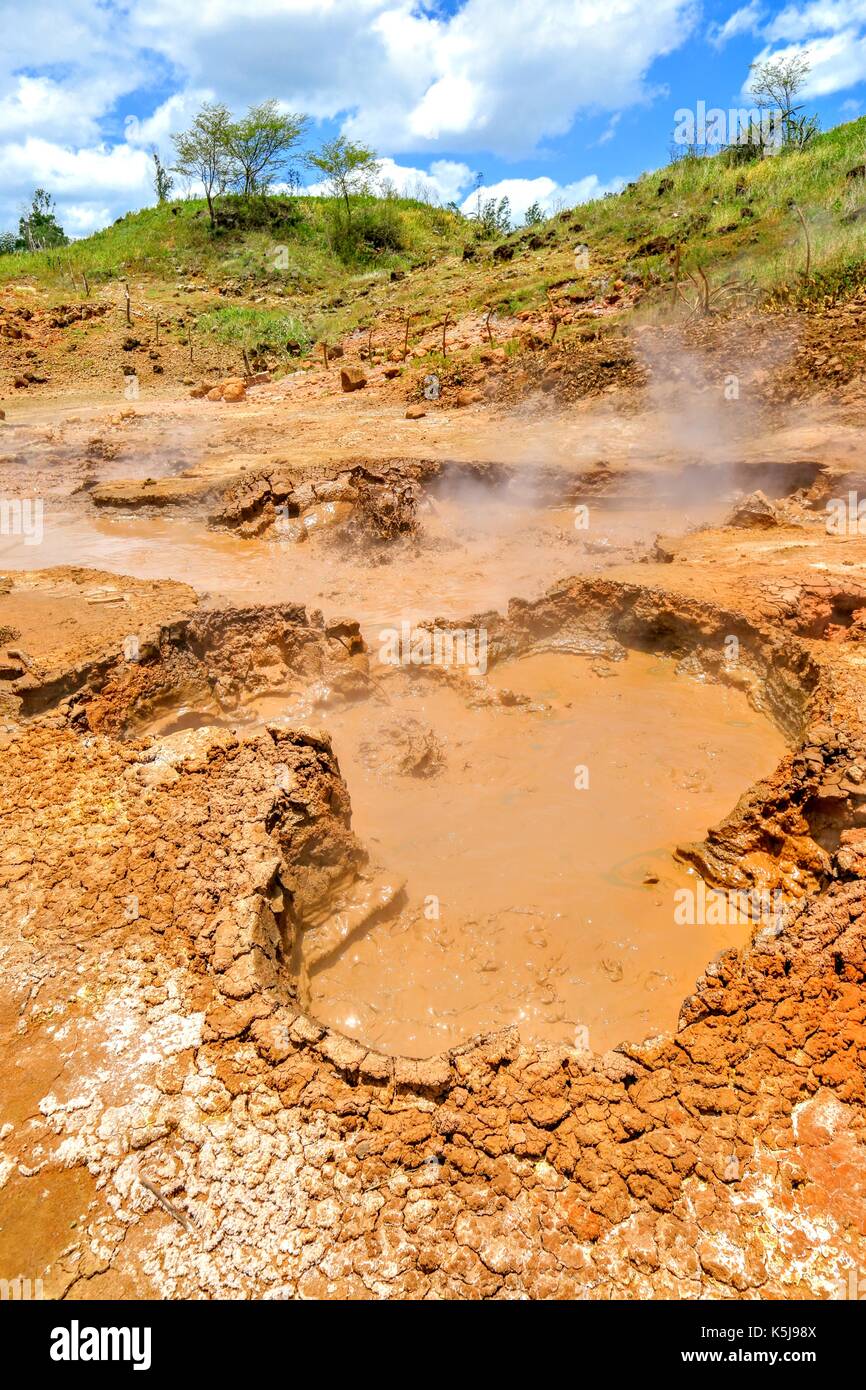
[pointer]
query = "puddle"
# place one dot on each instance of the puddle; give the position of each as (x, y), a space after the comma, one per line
(479, 549)
(529, 900)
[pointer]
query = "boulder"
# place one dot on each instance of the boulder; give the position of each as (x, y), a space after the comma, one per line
(352, 378)
(754, 512)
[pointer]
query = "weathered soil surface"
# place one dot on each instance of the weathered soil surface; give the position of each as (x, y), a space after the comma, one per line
(232, 1057)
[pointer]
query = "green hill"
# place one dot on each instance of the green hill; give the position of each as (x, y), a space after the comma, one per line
(717, 232)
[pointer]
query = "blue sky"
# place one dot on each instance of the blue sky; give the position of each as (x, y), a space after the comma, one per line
(550, 100)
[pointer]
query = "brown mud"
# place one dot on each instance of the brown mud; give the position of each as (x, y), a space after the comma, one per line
(238, 1059)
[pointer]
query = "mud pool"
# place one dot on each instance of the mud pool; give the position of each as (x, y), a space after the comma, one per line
(530, 844)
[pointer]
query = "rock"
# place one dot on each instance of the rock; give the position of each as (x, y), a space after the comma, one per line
(232, 389)
(415, 412)
(404, 749)
(755, 511)
(851, 857)
(338, 490)
(467, 397)
(352, 378)
(304, 496)
(391, 372)
(347, 631)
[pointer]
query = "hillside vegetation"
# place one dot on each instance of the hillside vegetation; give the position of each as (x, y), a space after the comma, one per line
(709, 233)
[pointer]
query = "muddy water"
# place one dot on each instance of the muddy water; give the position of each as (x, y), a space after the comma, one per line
(479, 549)
(530, 900)
(527, 900)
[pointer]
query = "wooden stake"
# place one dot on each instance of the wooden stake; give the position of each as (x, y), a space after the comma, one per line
(128, 303)
(487, 327)
(86, 284)
(325, 354)
(406, 338)
(554, 317)
(445, 322)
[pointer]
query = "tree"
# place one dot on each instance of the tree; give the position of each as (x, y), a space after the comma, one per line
(348, 168)
(163, 182)
(491, 218)
(7, 243)
(40, 229)
(533, 215)
(775, 84)
(203, 152)
(261, 143)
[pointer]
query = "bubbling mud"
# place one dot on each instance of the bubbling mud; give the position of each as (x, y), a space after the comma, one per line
(478, 549)
(533, 832)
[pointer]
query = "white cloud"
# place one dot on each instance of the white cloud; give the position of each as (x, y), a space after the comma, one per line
(836, 61)
(798, 22)
(610, 130)
(403, 75)
(746, 20)
(829, 33)
(89, 184)
(522, 193)
(406, 76)
(442, 183)
(504, 77)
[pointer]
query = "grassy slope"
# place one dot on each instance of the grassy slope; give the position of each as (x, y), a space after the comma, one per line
(732, 221)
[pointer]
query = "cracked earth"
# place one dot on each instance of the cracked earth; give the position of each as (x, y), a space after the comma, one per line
(187, 855)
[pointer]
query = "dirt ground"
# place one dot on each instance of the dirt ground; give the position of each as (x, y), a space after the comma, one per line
(179, 867)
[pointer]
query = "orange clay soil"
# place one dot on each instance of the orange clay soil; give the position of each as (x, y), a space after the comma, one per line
(224, 815)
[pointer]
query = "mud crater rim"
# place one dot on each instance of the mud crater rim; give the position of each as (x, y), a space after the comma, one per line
(650, 638)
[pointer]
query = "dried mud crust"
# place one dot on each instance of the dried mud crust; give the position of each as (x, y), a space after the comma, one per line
(151, 1034)
(267, 498)
(64, 629)
(253, 505)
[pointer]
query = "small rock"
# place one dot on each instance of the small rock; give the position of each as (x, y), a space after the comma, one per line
(756, 511)
(352, 378)
(415, 412)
